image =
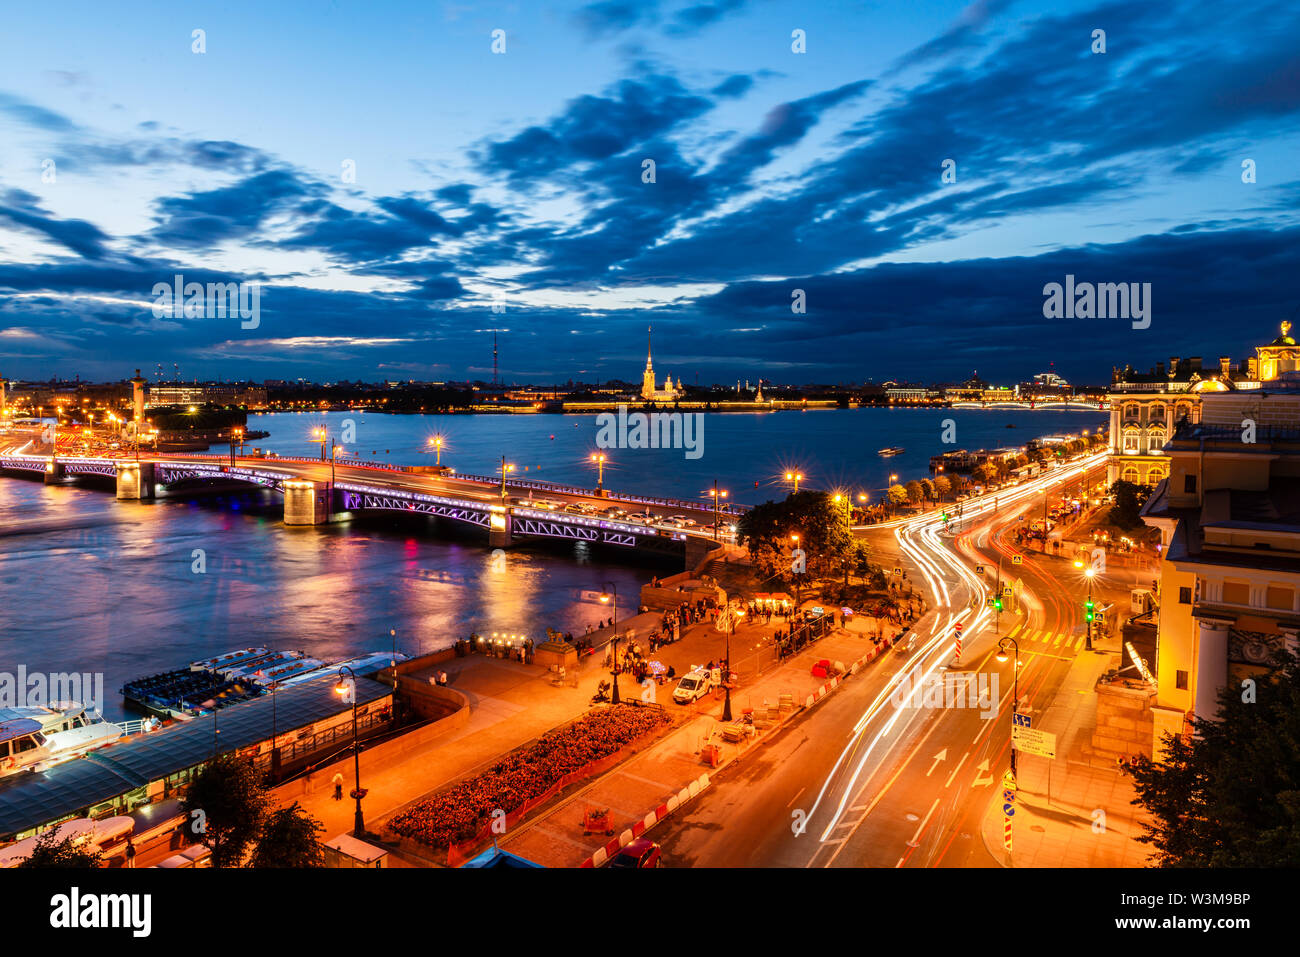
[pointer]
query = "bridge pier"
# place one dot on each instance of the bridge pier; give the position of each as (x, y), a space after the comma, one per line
(307, 503)
(54, 473)
(135, 480)
(500, 527)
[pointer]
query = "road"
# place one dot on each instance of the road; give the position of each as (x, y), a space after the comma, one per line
(874, 777)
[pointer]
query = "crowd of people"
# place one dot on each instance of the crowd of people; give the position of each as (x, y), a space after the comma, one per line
(462, 811)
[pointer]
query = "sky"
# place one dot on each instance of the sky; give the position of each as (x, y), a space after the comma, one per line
(830, 192)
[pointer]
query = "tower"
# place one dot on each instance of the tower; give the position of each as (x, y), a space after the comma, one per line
(648, 377)
(495, 379)
(137, 400)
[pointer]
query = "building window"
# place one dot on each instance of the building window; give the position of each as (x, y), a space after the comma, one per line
(1184, 596)
(1189, 484)
(1282, 599)
(1157, 413)
(1236, 593)
(1130, 411)
(1155, 475)
(1131, 475)
(1180, 680)
(1130, 442)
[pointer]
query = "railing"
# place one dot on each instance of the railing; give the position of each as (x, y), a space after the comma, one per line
(728, 509)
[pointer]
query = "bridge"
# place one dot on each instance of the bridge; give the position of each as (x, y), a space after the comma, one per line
(317, 493)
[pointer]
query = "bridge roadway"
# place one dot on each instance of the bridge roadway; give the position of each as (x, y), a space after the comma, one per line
(317, 492)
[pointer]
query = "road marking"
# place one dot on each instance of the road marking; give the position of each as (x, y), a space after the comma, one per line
(915, 842)
(796, 797)
(948, 783)
(1057, 642)
(941, 756)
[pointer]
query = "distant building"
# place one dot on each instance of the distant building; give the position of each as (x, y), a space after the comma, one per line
(669, 393)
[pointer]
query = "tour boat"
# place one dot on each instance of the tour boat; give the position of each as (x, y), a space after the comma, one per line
(892, 450)
(24, 746)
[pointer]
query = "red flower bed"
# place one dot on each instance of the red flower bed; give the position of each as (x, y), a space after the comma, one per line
(460, 813)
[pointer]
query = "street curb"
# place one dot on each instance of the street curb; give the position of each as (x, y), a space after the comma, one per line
(696, 787)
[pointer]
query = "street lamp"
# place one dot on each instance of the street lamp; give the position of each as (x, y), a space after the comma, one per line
(504, 469)
(318, 434)
(599, 459)
(359, 825)
(236, 438)
(736, 615)
(794, 544)
(717, 495)
(1015, 685)
(611, 598)
(435, 443)
(794, 477)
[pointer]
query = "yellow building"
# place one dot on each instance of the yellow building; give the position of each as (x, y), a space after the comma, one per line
(1146, 408)
(649, 391)
(1229, 517)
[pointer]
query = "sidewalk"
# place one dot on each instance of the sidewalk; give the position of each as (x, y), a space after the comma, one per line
(642, 790)
(1059, 832)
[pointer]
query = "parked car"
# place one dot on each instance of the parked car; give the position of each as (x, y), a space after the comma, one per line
(642, 852)
(693, 686)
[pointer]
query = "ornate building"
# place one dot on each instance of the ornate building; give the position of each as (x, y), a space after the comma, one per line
(1147, 408)
(669, 393)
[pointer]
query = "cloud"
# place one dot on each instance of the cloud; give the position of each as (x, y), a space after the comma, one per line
(23, 210)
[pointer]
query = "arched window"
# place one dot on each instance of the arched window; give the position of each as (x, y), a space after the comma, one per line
(1157, 413)
(1130, 475)
(1155, 474)
(1131, 411)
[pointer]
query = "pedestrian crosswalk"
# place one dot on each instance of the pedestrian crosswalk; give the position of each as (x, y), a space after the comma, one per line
(1057, 641)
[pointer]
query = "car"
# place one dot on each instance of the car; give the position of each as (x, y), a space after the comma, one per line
(905, 642)
(689, 522)
(613, 512)
(642, 852)
(573, 507)
(693, 686)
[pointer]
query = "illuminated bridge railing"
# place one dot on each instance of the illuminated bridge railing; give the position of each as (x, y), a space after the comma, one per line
(169, 473)
(729, 509)
(31, 463)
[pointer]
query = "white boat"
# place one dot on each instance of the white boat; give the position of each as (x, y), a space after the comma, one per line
(103, 833)
(24, 746)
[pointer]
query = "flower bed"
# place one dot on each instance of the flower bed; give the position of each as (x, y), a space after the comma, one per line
(525, 777)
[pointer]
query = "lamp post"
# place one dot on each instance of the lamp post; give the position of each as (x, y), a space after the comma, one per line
(736, 615)
(504, 469)
(359, 824)
(599, 459)
(718, 495)
(236, 438)
(794, 477)
(319, 435)
(606, 598)
(794, 539)
(435, 443)
(1015, 685)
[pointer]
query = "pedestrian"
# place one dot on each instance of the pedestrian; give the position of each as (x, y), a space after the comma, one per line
(130, 852)
(338, 785)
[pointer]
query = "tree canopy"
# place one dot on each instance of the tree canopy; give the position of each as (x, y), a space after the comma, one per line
(822, 524)
(1129, 499)
(1229, 795)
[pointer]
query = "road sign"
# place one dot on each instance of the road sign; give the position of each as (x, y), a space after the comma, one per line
(990, 602)
(979, 569)
(959, 626)
(1029, 741)
(1017, 559)
(1006, 592)
(898, 571)
(1019, 720)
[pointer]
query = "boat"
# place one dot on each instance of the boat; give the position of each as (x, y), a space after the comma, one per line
(210, 684)
(892, 450)
(24, 746)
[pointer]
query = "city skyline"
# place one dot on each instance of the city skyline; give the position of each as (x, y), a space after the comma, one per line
(390, 238)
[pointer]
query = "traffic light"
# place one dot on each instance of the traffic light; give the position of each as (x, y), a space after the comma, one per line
(1088, 609)
(997, 603)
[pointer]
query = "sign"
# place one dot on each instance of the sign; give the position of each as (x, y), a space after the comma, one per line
(979, 569)
(1028, 741)
(959, 625)
(1017, 559)
(898, 571)
(990, 602)
(1019, 720)
(1006, 592)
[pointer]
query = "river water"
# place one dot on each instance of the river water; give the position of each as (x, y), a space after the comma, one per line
(92, 585)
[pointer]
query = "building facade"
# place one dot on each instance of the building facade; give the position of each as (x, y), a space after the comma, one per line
(649, 391)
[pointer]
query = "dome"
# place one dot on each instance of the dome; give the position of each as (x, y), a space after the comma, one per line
(1211, 385)
(1285, 338)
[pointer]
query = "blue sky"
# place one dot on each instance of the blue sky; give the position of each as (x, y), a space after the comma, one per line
(515, 179)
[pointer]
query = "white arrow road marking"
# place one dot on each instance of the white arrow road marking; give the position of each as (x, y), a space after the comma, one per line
(979, 780)
(941, 756)
(948, 783)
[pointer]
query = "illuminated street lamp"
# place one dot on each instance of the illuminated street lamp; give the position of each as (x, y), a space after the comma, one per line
(319, 434)
(610, 598)
(341, 689)
(1002, 656)
(718, 495)
(504, 470)
(599, 459)
(736, 615)
(794, 477)
(794, 544)
(435, 443)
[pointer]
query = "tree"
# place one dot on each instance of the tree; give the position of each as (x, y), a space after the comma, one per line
(927, 489)
(1129, 499)
(914, 491)
(987, 473)
(1226, 795)
(897, 495)
(290, 838)
(823, 527)
(942, 487)
(65, 853)
(225, 806)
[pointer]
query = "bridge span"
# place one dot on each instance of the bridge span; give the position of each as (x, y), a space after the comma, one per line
(316, 493)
